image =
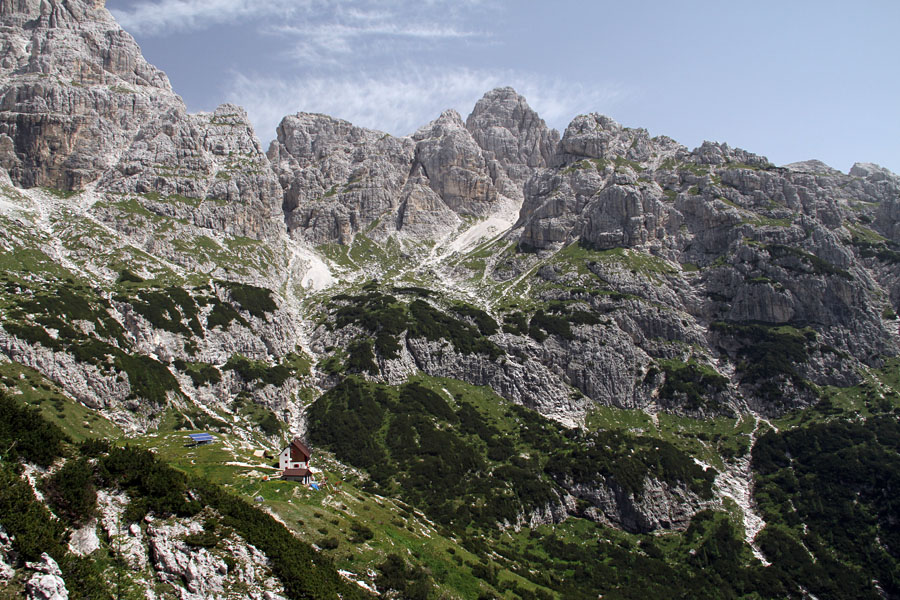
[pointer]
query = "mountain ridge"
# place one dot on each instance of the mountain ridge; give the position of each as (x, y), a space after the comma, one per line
(184, 178)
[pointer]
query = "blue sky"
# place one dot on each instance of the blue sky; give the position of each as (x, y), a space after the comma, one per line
(792, 80)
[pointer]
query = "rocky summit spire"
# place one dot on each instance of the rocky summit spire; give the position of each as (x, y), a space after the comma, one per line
(503, 124)
(74, 88)
(514, 138)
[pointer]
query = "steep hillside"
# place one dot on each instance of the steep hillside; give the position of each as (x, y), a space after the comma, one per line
(111, 522)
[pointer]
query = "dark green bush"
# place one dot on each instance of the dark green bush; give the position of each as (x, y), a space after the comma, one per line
(162, 489)
(25, 433)
(255, 300)
(252, 370)
(269, 423)
(223, 314)
(200, 373)
(71, 491)
(126, 276)
(692, 381)
(463, 472)
(409, 582)
(360, 358)
(766, 352)
(329, 543)
(387, 318)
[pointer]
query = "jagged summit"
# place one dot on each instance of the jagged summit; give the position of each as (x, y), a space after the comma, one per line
(812, 166)
(447, 123)
(773, 245)
(502, 123)
(75, 39)
(76, 89)
(873, 172)
(339, 179)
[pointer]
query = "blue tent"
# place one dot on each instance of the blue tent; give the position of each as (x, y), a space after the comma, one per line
(199, 439)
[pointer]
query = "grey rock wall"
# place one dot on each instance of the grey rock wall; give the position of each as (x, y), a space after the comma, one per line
(75, 89)
(340, 180)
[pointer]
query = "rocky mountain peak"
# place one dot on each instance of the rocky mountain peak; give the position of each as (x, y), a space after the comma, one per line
(337, 178)
(713, 153)
(76, 90)
(309, 136)
(873, 172)
(205, 156)
(596, 136)
(510, 131)
(76, 40)
(812, 166)
(448, 123)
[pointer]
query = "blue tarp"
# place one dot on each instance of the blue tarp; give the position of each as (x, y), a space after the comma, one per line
(314, 486)
(199, 439)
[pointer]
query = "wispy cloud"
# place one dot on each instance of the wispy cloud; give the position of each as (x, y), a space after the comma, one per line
(400, 101)
(154, 17)
(334, 42)
(321, 19)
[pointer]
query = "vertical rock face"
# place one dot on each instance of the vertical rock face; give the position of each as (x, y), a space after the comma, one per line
(515, 140)
(337, 178)
(340, 179)
(204, 156)
(884, 186)
(504, 125)
(75, 89)
(454, 165)
(595, 192)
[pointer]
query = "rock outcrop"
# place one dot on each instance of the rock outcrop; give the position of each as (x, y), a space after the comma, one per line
(658, 506)
(454, 164)
(156, 549)
(337, 178)
(75, 90)
(738, 240)
(514, 138)
(214, 158)
(84, 541)
(7, 571)
(340, 180)
(47, 582)
(198, 573)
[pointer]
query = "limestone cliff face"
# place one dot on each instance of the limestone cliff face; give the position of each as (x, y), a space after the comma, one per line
(454, 165)
(75, 89)
(340, 179)
(685, 261)
(509, 131)
(337, 178)
(79, 104)
(659, 506)
(214, 157)
(684, 247)
(747, 243)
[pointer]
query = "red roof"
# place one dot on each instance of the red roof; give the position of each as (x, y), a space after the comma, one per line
(296, 473)
(299, 448)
